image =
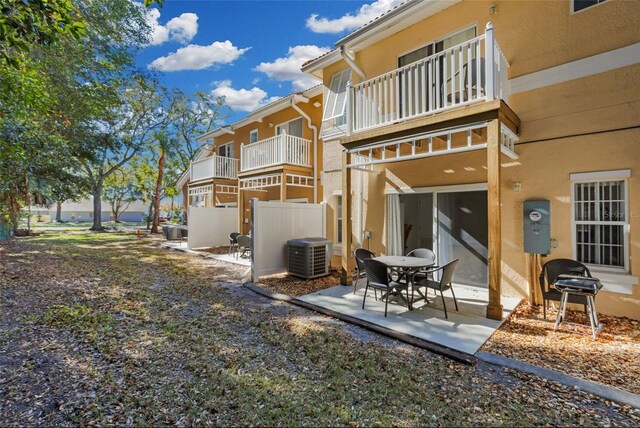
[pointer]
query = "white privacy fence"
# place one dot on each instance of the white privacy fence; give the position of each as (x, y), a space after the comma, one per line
(214, 167)
(276, 150)
(211, 226)
(472, 71)
(274, 223)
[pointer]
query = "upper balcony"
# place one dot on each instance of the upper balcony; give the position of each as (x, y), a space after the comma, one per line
(279, 150)
(214, 167)
(468, 73)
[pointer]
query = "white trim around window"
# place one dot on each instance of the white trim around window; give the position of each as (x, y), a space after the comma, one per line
(594, 203)
(227, 151)
(253, 139)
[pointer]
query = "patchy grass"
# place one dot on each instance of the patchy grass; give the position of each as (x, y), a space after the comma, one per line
(106, 328)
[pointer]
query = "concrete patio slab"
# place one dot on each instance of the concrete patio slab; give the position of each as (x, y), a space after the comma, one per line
(465, 331)
(229, 258)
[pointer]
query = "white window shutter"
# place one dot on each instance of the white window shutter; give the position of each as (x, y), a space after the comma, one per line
(336, 97)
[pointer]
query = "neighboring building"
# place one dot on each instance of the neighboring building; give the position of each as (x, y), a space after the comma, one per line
(82, 211)
(443, 117)
(274, 153)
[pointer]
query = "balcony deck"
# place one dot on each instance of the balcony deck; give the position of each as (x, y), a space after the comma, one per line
(471, 73)
(275, 152)
(214, 167)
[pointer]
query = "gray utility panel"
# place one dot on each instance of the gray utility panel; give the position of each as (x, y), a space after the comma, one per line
(537, 227)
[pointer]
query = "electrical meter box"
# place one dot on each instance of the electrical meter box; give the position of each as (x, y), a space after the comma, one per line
(537, 227)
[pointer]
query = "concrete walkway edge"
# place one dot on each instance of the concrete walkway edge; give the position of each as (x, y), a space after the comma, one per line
(595, 388)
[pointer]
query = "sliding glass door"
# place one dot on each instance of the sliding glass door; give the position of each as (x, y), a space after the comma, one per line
(462, 233)
(455, 224)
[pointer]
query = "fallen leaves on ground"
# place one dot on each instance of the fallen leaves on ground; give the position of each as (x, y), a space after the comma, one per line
(108, 329)
(295, 287)
(613, 358)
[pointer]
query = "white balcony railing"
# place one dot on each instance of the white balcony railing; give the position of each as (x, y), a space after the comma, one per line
(214, 167)
(278, 150)
(473, 71)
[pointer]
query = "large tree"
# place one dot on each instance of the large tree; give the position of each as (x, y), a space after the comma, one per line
(67, 64)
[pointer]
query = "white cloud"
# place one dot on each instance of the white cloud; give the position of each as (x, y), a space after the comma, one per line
(182, 28)
(351, 22)
(240, 99)
(196, 57)
(288, 68)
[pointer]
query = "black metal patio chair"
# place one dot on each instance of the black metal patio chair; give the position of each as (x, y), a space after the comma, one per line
(445, 282)
(244, 245)
(233, 242)
(361, 254)
(550, 272)
(378, 279)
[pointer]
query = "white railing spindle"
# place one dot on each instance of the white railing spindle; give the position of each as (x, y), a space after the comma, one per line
(475, 70)
(276, 150)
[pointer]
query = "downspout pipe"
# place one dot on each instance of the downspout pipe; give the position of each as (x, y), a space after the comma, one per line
(351, 62)
(314, 128)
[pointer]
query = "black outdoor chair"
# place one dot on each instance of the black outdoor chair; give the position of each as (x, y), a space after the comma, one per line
(445, 282)
(244, 245)
(233, 242)
(550, 272)
(378, 279)
(361, 254)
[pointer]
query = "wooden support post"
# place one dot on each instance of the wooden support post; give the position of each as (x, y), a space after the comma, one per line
(347, 259)
(494, 309)
(241, 207)
(283, 187)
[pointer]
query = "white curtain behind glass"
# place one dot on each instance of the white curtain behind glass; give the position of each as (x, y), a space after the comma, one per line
(394, 226)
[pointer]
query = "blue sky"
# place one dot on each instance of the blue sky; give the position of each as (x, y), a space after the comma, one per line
(248, 51)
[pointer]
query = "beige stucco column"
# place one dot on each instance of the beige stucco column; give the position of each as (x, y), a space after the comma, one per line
(347, 260)
(283, 187)
(241, 206)
(494, 309)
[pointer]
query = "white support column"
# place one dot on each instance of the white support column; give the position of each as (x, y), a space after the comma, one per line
(349, 109)
(489, 61)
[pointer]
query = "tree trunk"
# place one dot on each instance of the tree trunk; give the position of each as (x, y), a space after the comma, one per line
(150, 214)
(59, 211)
(97, 206)
(29, 204)
(14, 207)
(156, 198)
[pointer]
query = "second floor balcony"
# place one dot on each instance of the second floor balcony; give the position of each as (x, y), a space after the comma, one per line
(279, 150)
(470, 72)
(214, 167)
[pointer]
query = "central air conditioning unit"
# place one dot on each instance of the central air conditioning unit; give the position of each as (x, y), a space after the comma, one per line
(309, 257)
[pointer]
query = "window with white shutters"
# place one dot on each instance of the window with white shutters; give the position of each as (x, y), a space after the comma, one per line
(336, 96)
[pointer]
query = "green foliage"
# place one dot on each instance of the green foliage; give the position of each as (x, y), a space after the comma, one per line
(24, 23)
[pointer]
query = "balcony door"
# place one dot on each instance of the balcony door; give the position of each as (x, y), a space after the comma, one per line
(441, 70)
(293, 127)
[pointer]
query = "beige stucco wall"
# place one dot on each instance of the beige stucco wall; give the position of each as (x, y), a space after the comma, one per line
(533, 35)
(583, 125)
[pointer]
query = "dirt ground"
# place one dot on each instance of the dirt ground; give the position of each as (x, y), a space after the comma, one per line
(107, 328)
(612, 359)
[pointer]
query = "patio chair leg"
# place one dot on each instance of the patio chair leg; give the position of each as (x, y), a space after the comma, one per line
(444, 305)
(454, 299)
(365, 294)
(544, 309)
(386, 303)
(355, 280)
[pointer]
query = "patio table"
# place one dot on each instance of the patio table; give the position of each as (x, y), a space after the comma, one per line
(408, 266)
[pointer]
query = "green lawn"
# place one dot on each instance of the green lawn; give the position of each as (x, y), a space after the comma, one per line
(110, 329)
